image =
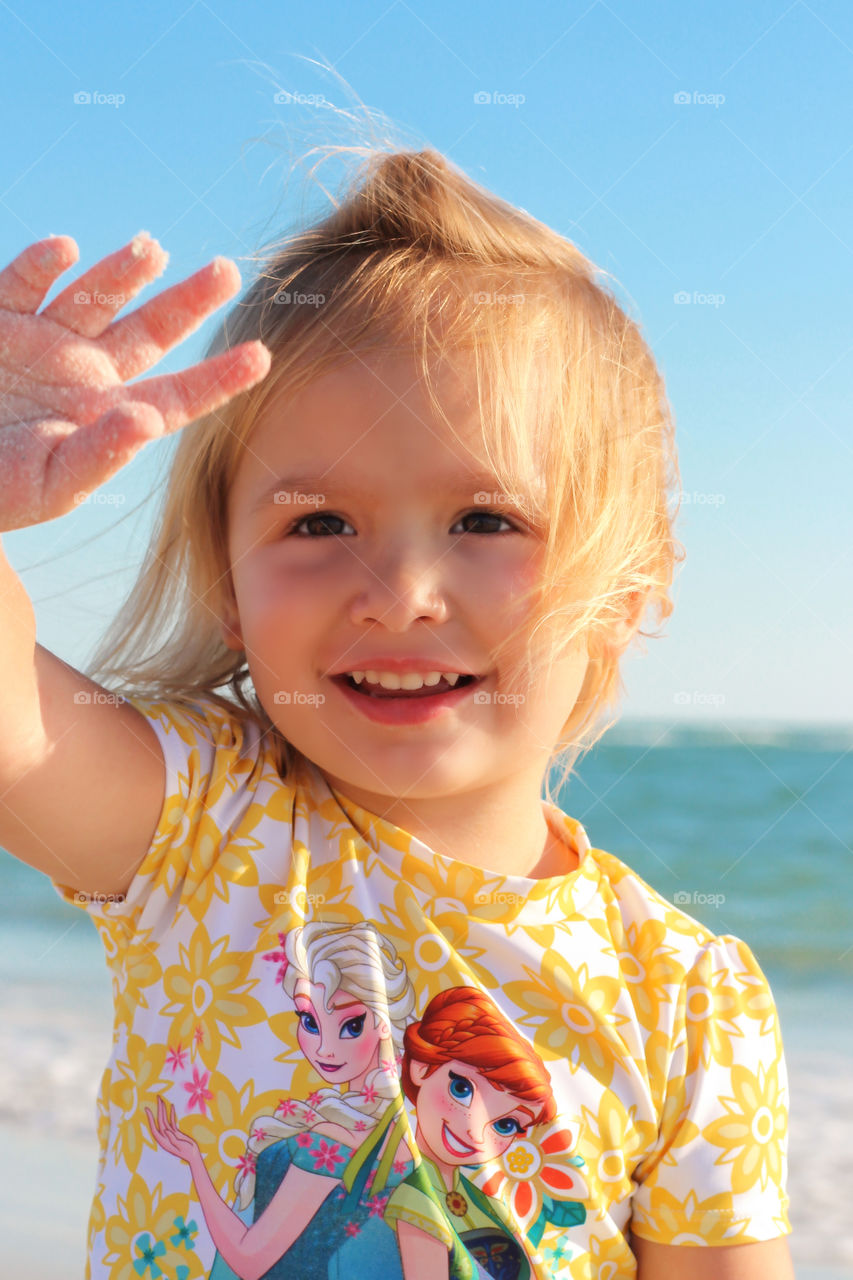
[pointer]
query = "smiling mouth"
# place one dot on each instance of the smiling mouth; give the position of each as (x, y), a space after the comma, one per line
(426, 691)
(455, 1145)
(326, 1066)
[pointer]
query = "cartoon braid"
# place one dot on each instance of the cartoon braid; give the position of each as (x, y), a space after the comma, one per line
(463, 1024)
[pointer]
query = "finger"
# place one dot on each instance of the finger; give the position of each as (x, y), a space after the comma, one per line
(26, 281)
(183, 397)
(51, 467)
(139, 340)
(174, 1117)
(89, 304)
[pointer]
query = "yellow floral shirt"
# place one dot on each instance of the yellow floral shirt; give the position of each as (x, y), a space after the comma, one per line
(652, 1089)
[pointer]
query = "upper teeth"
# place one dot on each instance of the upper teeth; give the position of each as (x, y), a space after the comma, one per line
(409, 680)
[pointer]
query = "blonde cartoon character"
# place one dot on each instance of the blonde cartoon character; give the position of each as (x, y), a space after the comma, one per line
(317, 1174)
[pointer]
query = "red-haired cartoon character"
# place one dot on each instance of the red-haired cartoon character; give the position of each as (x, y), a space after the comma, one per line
(476, 1085)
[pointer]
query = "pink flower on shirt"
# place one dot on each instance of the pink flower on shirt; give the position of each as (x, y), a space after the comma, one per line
(327, 1156)
(199, 1093)
(279, 958)
(175, 1058)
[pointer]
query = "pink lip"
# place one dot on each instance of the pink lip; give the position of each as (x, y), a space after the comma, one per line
(404, 710)
(399, 664)
(326, 1066)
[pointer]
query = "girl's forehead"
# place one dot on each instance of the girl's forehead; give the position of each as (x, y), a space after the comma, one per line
(352, 425)
(372, 386)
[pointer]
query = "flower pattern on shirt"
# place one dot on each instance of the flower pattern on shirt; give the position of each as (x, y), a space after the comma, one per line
(660, 1040)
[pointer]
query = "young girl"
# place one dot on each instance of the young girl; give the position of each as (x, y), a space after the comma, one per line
(419, 515)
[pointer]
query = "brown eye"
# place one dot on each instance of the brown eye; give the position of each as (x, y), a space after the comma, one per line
(486, 516)
(320, 520)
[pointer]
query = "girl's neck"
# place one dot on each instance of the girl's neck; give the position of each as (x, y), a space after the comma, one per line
(503, 831)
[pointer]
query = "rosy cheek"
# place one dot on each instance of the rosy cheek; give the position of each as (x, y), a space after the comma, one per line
(497, 1144)
(306, 1041)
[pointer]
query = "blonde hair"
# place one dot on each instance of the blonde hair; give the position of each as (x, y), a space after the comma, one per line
(575, 420)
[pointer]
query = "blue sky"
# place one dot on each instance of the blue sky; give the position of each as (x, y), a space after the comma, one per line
(702, 151)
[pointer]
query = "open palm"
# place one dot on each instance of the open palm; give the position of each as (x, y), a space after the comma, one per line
(67, 420)
(168, 1135)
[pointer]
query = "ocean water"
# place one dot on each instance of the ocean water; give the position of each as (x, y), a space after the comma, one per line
(751, 832)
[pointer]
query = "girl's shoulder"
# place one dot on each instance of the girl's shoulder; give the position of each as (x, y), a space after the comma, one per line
(646, 923)
(210, 745)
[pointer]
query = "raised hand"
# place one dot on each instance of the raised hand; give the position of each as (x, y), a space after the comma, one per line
(167, 1134)
(67, 421)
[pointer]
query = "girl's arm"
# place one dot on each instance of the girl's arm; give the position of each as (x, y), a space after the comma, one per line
(422, 1255)
(249, 1251)
(766, 1260)
(81, 774)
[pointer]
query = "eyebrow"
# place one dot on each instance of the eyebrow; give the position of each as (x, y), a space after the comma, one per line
(477, 482)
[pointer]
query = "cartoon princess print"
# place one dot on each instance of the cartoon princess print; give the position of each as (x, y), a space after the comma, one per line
(477, 1085)
(317, 1174)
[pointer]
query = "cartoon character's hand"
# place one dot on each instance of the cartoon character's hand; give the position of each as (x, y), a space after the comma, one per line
(166, 1133)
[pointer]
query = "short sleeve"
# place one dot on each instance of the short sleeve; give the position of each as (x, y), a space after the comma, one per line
(206, 751)
(718, 1171)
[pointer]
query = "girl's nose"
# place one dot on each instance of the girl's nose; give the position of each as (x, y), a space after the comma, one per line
(399, 589)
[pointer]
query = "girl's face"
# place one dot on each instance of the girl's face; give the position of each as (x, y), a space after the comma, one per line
(462, 1118)
(361, 532)
(340, 1041)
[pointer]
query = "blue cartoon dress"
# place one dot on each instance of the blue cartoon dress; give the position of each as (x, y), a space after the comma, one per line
(348, 1237)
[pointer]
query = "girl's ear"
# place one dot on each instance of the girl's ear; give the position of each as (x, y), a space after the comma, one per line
(418, 1070)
